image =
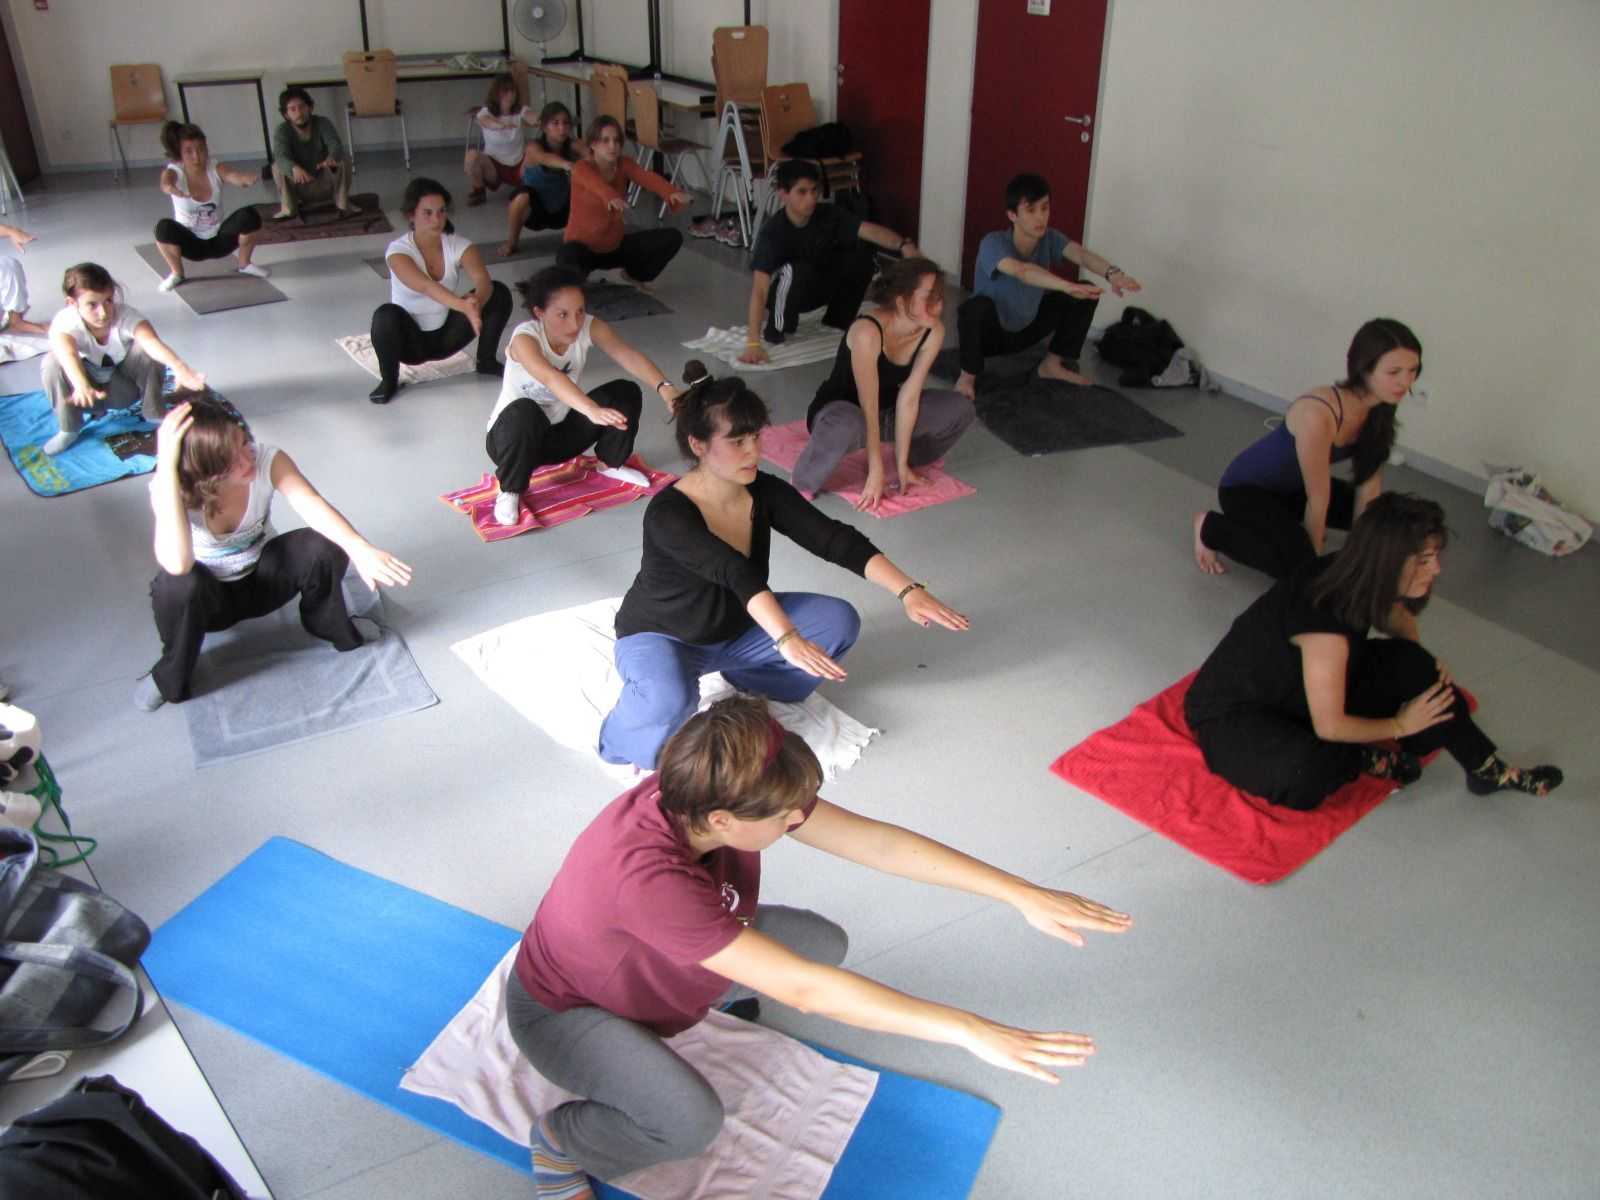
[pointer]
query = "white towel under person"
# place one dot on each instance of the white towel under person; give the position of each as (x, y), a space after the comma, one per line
(558, 669)
(789, 1111)
(811, 342)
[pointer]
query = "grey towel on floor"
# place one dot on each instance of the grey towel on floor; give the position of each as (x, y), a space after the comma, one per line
(268, 683)
(214, 286)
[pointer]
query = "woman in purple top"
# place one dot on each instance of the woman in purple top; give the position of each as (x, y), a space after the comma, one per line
(655, 917)
(1279, 496)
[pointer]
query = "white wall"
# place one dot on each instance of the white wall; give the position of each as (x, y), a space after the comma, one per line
(1277, 173)
(952, 45)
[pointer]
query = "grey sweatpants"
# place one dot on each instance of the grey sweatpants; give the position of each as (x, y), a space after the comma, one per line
(942, 417)
(137, 377)
(643, 1104)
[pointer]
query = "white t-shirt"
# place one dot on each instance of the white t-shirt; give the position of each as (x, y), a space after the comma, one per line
(502, 144)
(203, 217)
(425, 310)
(231, 556)
(100, 359)
(517, 382)
(13, 290)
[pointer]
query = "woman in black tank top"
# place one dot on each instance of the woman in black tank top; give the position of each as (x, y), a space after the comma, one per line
(875, 393)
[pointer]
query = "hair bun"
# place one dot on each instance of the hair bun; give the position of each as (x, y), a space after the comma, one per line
(694, 372)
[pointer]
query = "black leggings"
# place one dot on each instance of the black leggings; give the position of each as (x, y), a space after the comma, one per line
(189, 606)
(221, 244)
(643, 254)
(1278, 756)
(839, 279)
(522, 438)
(397, 339)
(1266, 530)
(1062, 318)
(541, 217)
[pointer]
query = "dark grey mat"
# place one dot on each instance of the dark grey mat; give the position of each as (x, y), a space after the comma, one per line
(215, 286)
(1045, 416)
(268, 683)
(534, 245)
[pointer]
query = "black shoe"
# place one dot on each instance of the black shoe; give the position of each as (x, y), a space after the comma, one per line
(746, 1010)
(497, 369)
(383, 393)
(771, 333)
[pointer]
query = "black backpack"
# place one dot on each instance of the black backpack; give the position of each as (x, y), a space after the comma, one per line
(1142, 344)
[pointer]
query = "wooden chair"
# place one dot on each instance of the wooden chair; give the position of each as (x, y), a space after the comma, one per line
(138, 97)
(609, 83)
(785, 111)
(739, 67)
(372, 78)
(647, 132)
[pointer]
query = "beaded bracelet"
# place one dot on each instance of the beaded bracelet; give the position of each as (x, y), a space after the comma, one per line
(909, 588)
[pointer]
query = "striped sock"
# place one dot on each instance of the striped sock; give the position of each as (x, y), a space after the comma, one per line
(555, 1175)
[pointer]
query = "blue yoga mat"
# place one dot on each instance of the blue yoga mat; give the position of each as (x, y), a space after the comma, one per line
(354, 976)
(26, 423)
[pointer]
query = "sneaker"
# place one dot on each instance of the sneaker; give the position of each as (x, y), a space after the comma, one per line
(729, 233)
(147, 696)
(704, 227)
(171, 281)
(476, 197)
(255, 269)
(19, 809)
(507, 508)
(626, 475)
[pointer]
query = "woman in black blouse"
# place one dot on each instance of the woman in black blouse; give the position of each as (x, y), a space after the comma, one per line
(701, 602)
(1297, 700)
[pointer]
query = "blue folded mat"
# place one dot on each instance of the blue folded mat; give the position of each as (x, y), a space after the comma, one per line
(354, 976)
(27, 422)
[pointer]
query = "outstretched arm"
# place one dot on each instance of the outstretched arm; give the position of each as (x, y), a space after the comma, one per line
(908, 404)
(886, 238)
(922, 606)
(1118, 280)
(768, 966)
(1034, 275)
(145, 335)
(373, 565)
(898, 851)
(634, 362)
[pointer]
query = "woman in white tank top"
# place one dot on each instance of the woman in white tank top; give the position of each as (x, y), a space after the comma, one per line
(502, 120)
(429, 315)
(197, 230)
(543, 415)
(221, 561)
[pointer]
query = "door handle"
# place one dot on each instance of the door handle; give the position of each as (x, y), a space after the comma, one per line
(1086, 120)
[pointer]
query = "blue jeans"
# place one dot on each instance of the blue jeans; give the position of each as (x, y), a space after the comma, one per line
(661, 675)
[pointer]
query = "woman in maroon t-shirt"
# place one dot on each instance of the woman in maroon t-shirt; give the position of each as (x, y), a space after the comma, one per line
(653, 919)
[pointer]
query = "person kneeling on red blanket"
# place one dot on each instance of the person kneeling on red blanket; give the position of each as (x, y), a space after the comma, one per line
(1297, 699)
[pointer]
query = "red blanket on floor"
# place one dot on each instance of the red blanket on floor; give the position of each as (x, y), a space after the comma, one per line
(1149, 766)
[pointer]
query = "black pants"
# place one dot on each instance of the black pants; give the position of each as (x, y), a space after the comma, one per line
(396, 338)
(643, 254)
(1279, 757)
(1064, 319)
(221, 244)
(187, 607)
(522, 438)
(540, 217)
(838, 280)
(1266, 530)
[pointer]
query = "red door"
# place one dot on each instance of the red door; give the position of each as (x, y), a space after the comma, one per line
(883, 90)
(1034, 89)
(14, 131)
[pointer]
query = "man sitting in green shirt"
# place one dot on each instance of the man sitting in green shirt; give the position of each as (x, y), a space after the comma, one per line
(309, 164)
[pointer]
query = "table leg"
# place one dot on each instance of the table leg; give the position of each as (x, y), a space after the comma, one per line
(266, 133)
(183, 103)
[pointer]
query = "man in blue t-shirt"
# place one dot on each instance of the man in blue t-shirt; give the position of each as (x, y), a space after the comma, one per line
(1019, 300)
(808, 255)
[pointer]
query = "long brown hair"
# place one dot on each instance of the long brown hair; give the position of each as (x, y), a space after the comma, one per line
(734, 757)
(1373, 340)
(502, 83)
(209, 449)
(1362, 583)
(175, 133)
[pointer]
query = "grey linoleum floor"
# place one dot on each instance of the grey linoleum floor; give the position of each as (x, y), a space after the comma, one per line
(1414, 1014)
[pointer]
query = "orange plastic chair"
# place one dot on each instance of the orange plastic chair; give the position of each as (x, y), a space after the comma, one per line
(372, 77)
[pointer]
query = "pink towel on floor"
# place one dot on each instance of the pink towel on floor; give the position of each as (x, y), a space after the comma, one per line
(782, 444)
(1149, 766)
(555, 495)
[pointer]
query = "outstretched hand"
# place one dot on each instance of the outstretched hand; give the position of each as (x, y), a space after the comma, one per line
(1060, 914)
(924, 608)
(1083, 291)
(609, 416)
(1026, 1051)
(379, 567)
(1122, 283)
(810, 658)
(19, 238)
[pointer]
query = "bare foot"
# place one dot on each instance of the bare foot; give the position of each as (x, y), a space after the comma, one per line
(1053, 368)
(967, 385)
(507, 249)
(1204, 556)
